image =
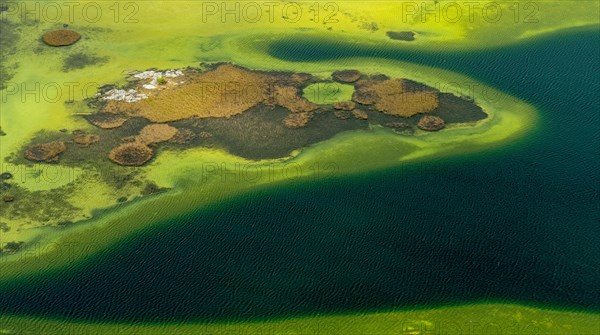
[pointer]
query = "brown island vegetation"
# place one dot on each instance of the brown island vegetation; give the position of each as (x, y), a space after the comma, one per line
(253, 114)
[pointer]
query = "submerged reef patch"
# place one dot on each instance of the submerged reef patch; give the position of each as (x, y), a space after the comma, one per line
(8, 40)
(81, 60)
(401, 35)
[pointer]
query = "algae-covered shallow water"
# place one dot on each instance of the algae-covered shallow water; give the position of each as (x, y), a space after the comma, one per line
(492, 231)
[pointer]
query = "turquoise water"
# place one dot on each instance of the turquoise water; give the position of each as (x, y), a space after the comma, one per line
(518, 224)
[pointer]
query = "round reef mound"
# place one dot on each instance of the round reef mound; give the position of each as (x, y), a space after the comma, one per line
(431, 123)
(45, 152)
(156, 133)
(346, 76)
(131, 154)
(61, 37)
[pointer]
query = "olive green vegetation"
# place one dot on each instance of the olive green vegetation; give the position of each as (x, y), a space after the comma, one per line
(8, 40)
(480, 319)
(43, 206)
(161, 80)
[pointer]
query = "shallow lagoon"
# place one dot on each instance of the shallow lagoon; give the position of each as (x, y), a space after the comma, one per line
(564, 169)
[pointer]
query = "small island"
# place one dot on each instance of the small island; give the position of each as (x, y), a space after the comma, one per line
(252, 114)
(256, 115)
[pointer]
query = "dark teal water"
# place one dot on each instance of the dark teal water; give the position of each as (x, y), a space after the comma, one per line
(518, 224)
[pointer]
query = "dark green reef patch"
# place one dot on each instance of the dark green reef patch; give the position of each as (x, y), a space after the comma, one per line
(81, 60)
(8, 41)
(261, 133)
(43, 208)
(401, 35)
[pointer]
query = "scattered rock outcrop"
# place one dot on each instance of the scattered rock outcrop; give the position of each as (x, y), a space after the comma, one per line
(205, 134)
(431, 123)
(398, 125)
(342, 114)
(344, 105)
(297, 120)
(183, 136)
(360, 114)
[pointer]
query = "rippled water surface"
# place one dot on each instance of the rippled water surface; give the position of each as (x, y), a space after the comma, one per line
(519, 223)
